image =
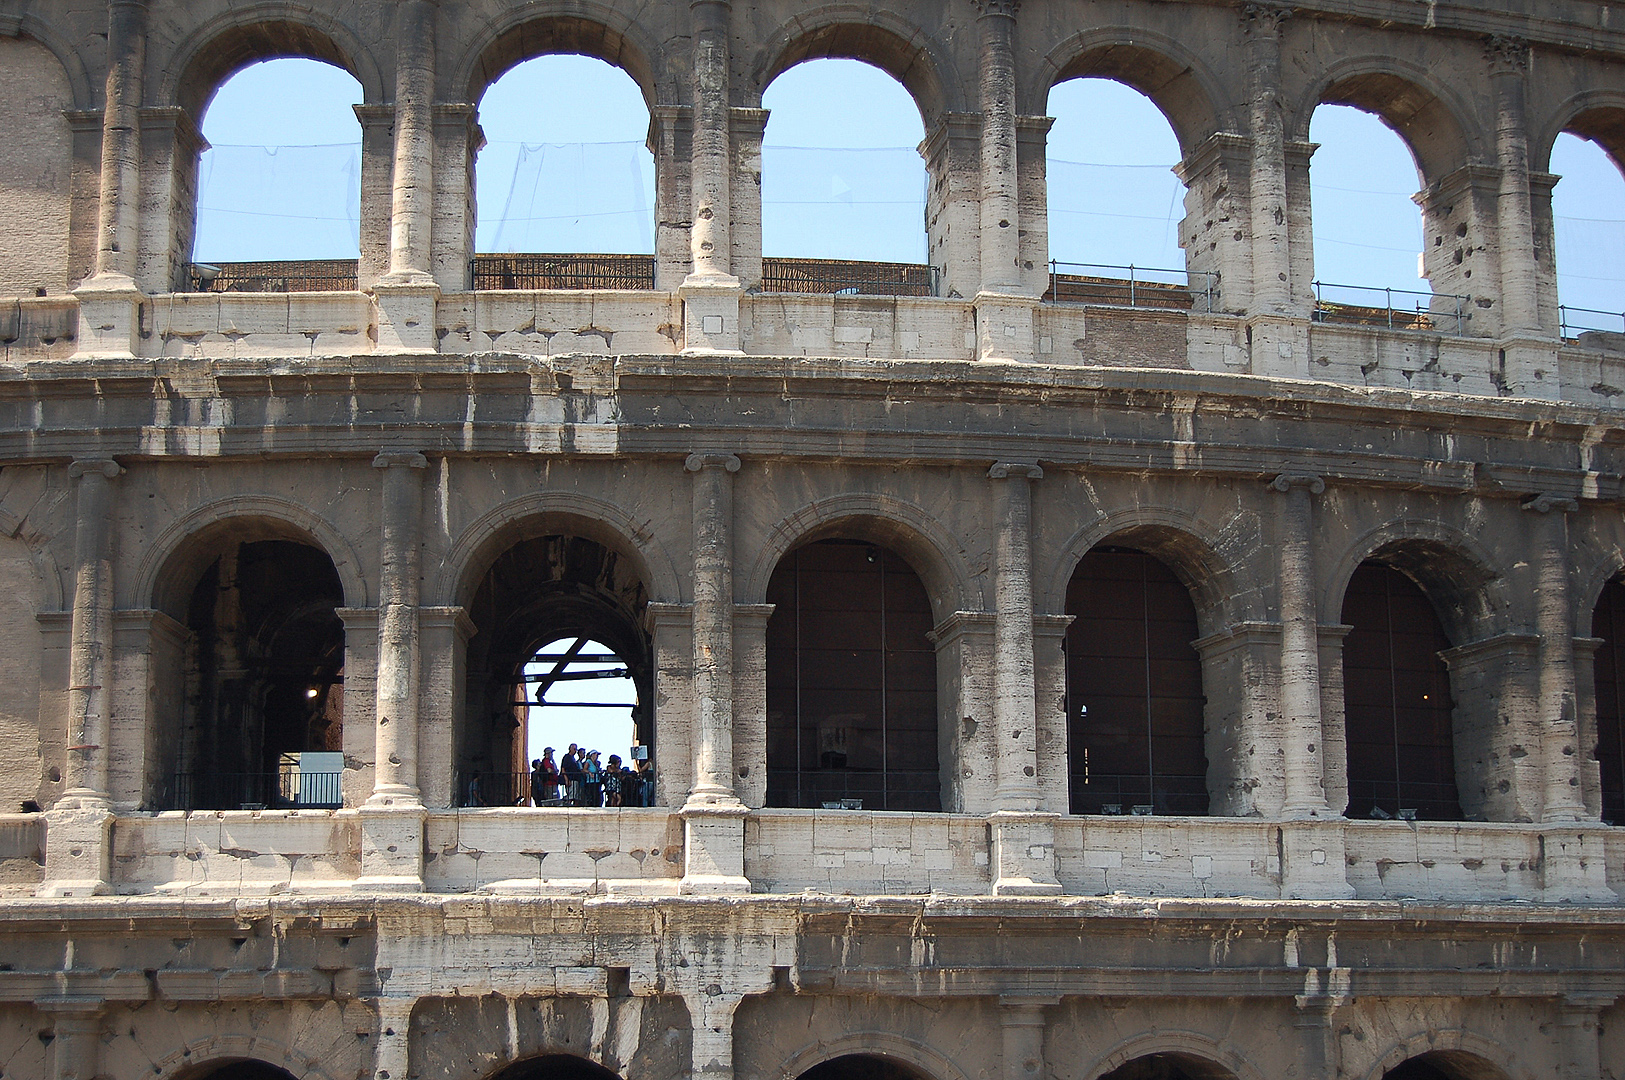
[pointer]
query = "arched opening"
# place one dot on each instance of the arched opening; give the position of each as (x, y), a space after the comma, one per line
(1169, 1066)
(261, 677)
(241, 1069)
(565, 181)
(843, 185)
(555, 1067)
(1588, 232)
(1368, 236)
(1135, 733)
(1115, 201)
(851, 682)
(1398, 709)
(1608, 625)
(548, 608)
(1445, 1065)
(863, 1067)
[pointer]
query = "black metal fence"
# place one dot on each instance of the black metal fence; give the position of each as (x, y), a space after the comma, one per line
(1139, 795)
(848, 277)
(1131, 286)
(286, 789)
(1407, 800)
(855, 789)
(305, 275)
(1392, 309)
(564, 271)
(491, 789)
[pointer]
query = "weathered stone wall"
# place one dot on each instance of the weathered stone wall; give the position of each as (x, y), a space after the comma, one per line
(35, 170)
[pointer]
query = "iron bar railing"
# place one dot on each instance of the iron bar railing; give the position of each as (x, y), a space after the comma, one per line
(285, 789)
(513, 789)
(1137, 794)
(1403, 799)
(1574, 321)
(502, 271)
(1131, 286)
(301, 276)
(855, 789)
(848, 277)
(1398, 309)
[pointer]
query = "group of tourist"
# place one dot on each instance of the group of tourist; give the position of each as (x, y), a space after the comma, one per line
(581, 779)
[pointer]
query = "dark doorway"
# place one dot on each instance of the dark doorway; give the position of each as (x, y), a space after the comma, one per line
(263, 719)
(1608, 624)
(1169, 1067)
(555, 1067)
(851, 682)
(1445, 1065)
(540, 592)
(1397, 704)
(863, 1067)
(247, 1069)
(1134, 689)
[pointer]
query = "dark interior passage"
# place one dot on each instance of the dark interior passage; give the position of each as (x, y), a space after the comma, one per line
(851, 682)
(1397, 704)
(246, 1069)
(555, 1067)
(863, 1067)
(1134, 688)
(1608, 624)
(1169, 1067)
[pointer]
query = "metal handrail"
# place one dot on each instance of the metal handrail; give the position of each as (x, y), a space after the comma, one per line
(528, 271)
(291, 276)
(286, 788)
(1427, 312)
(1138, 289)
(848, 277)
(1565, 326)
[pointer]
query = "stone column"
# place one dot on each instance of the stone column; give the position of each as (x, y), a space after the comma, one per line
(1004, 313)
(1272, 289)
(1585, 685)
(711, 1014)
(406, 295)
(79, 826)
(1023, 837)
(1021, 1022)
(1579, 1035)
(953, 203)
(1300, 648)
(76, 1023)
(458, 138)
(393, 817)
(713, 816)
(711, 292)
(1509, 63)
(394, 1038)
(1554, 621)
(750, 703)
(109, 302)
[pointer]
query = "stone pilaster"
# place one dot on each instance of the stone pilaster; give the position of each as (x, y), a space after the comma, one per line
(1004, 312)
(1562, 798)
(407, 294)
(1301, 735)
(1579, 1046)
(393, 1060)
(711, 1011)
(76, 1027)
(1267, 188)
(1021, 1023)
(750, 702)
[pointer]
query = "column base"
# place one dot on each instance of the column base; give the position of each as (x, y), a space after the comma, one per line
(109, 318)
(1024, 853)
(1278, 346)
(78, 852)
(1004, 327)
(711, 316)
(406, 314)
(1314, 860)
(391, 848)
(714, 846)
(1529, 368)
(1572, 870)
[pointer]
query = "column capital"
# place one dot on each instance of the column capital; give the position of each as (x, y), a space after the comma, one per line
(86, 466)
(698, 461)
(410, 459)
(1506, 54)
(1265, 18)
(1287, 481)
(1019, 470)
(1546, 502)
(991, 8)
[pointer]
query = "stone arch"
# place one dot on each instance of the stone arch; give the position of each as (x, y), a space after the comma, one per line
(923, 541)
(45, 565)
(552, 1064)
(220, 47)
(1178, 82)
(549, 513)
(1589, 580)
(198, 1057)
(1221, 1057)
(586, 27)
(86, 94)
(1175, 537)
(181, 551)
(861, 32)
(1598, 115)
(886, 1044)
(1433, 120)
(1452, 569)
(1467, 1055)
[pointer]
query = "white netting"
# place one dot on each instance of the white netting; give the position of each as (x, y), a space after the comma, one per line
(1591, 263)
(843, 204)
(566, 197)
(278, 202)
(1116, 214)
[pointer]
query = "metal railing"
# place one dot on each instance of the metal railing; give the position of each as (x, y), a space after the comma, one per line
(855, 789)
(1137, 795)
(499, 271)
(301, 276)
(513, 789)
(1131, 286)
(1406, 800)
(285, 789)
(1399, 309)
(1574, 321)
(848, 277)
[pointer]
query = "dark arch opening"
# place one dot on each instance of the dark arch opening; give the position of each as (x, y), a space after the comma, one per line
(1445, 1065)
(538, 592)
(851, 682)
(555, 1067)
(863, 1067)
(253, 695)
(245, 1069)
(1398, 710)
(1169, 1067)
(1608, 625)
(1135, 733)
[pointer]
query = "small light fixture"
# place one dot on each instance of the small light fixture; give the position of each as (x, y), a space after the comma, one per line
(313, 693)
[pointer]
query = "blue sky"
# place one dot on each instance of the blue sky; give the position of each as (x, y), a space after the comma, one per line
(841, 176)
